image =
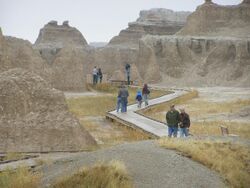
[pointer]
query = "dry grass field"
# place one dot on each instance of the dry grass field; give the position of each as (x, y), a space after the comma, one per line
(91, 111)
(230, 160)
(199, 110)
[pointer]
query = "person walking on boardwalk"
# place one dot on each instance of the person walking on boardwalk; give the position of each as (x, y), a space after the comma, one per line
(124, 98)
(94, 73)
(145, 94)
(99, 73)
(184, 123)
(119, 101)
(138, 98)
(172, 118)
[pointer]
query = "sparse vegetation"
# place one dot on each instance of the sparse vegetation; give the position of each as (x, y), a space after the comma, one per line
(230, 160)
(213, 128)
(115, 134)
(198, 109)
(21, 178)
(102, 175)
(95, 106)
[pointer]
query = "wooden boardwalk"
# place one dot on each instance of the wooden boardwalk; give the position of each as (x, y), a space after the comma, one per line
(137, 121)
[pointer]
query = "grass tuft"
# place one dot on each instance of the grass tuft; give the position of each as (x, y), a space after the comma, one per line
(21, 178)
(111, 175)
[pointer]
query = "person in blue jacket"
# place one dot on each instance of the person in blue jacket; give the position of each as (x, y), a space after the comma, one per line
(138, 98)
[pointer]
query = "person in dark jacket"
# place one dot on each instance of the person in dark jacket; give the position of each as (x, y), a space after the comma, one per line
(173, 119)
(99, 73)
(145, 94)
(127, 68)
(184, 123)
(123, 93)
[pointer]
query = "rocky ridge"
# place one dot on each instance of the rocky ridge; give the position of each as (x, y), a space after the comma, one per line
(18, 53)
(211, 19)
(156, 21)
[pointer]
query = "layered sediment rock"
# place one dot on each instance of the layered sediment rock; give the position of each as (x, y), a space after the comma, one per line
(211, 19)
(35, 118)
(195, 61)
(152, 22)
(211, 49)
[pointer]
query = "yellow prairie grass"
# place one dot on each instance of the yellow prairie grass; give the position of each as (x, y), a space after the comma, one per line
(230, 160)
(111, 175)
(213, 128)
(21, 178)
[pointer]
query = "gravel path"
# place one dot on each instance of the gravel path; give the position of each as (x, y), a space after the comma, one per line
(148, 164)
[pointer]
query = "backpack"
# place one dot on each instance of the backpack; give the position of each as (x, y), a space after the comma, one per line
(139, 97)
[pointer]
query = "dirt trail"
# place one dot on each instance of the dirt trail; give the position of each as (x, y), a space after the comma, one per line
(148, 164)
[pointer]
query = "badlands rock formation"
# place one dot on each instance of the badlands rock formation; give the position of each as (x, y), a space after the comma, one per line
(35, 118)
(53, 37)
(218, 57)
(71, 59)
(195, 61)
(18, 53)
(66, 52)
(153, 22)
(211, 19)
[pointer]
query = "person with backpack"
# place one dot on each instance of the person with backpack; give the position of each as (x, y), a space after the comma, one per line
(145, 94)
(138, 98)
(173, 119)
(184, 123)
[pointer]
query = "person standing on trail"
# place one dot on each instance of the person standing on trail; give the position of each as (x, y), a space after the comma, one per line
(172, 118)
(94, 73)
(127, 68)
(124, 98)
(99, 74)
(145, 94)
(184, 123)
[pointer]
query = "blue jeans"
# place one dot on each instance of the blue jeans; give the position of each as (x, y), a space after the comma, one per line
(183, 132)
(172, 130)
(145, 99)
(95, 79)
(124, 102)
(119, 104)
